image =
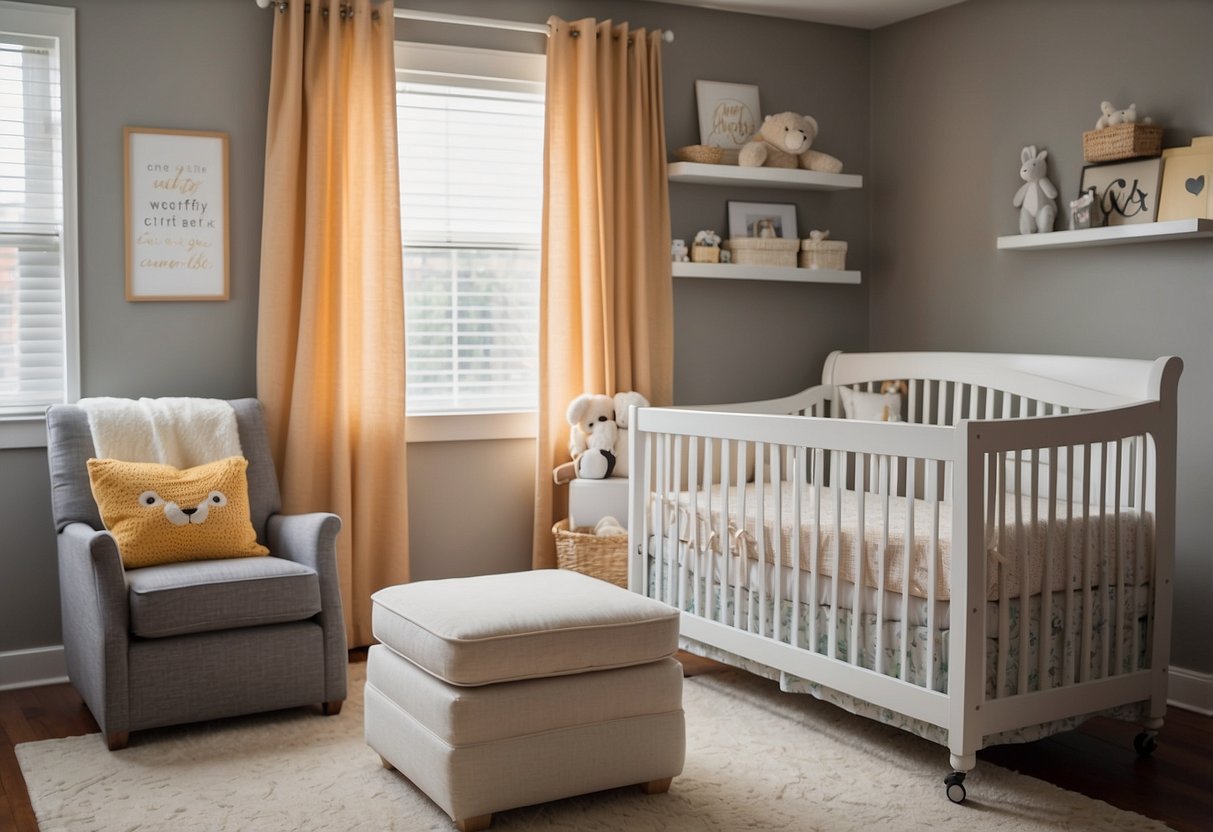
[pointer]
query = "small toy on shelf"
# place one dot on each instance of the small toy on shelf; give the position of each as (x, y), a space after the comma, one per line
(820, 252)
(784, 141)
(1086, 212)
(1111, 116)
(1035, 196)
(706, 248)
(678, 251)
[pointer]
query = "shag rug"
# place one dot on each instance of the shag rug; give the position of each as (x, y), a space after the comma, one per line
(756, 759)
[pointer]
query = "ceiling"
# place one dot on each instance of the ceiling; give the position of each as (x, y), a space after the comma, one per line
(862, 14)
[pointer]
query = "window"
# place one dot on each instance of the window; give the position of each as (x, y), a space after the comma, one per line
(470, 126)
(38, 364)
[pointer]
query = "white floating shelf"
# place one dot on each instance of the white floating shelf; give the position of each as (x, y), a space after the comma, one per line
(789, 274)
(1146, 232)
(699, 173)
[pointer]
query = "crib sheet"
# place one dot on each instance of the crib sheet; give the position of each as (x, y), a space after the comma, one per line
(1092, 532)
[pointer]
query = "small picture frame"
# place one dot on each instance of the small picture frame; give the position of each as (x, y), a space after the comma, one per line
(1187, 182)
(176, 214)
(728, 113)
(762, 219)
(1127, 191)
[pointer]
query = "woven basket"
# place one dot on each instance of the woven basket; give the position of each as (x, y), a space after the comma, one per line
(702, 153)
(763, 251)
(1121, 141)
(823, 254)
(705, 254)
(582, 551)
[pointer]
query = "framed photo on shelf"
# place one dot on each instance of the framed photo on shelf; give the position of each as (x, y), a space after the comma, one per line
(762, 219)
(1187, 181)
(1127, 191)
(176, 214)
(728, 113)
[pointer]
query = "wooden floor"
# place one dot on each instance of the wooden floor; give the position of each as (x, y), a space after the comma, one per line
(1174, 785)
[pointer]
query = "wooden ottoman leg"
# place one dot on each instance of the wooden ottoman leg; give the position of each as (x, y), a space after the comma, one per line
(476, 824)
(657, 786)
(332, 708)
(117, 740)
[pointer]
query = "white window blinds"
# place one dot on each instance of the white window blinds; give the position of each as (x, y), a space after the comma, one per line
(470, 126)
(34, 337)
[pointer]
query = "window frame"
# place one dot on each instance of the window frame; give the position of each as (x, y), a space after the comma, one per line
(29, 430)
(439, 59)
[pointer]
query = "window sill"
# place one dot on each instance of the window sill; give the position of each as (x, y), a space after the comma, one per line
(22, 432)
(469, 427)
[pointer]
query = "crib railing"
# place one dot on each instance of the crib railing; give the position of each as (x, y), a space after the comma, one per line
(712, 492)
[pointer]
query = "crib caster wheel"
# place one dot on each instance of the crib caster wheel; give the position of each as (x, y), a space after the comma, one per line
(1145, 743)
(954, 785)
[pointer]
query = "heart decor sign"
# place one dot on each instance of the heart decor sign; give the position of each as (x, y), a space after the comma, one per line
(1195, 185)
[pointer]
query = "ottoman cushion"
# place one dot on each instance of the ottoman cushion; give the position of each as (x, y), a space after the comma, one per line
(522, 625)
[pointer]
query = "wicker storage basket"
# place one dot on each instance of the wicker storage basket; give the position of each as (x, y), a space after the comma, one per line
(823, 254)
(763, 251)
(705, 254)
(703, 153)
(583, 551)
(1121, 141)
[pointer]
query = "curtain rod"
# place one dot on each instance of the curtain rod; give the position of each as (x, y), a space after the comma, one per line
(467, 20)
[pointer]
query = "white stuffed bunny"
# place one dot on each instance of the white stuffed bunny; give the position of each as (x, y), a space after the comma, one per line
(1035, 196)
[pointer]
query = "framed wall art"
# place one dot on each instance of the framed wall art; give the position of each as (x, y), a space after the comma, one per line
(1127, 191)
(176, 214)
(728, 113)
(1187, 181)
(762, 219)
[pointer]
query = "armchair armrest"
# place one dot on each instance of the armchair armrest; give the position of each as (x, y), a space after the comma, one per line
(96, 619)
(311, 540)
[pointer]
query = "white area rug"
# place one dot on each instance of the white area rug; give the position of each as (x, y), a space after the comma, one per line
(756, 759)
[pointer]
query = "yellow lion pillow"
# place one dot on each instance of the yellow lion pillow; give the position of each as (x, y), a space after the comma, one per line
(160, 514)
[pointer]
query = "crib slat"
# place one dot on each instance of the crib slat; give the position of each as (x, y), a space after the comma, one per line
(1025, 545)
(743, 556)
(646, 519)
(720, 574)
(1118, 582)
(760, 542)
(837, 464)
(1069, 667)
(677, 555)
(883, 563)
(777, 542)
(932, 567)
(815, 545)
(1084, 666)
(798, 478)
(941, 405)
(1104, 566)
(1140, 560)
(912, 412)
(907, 555)
(1004, 612)
(685, 575)
(860, 558)
(712, 540)
(663, 515)
(1045, 639)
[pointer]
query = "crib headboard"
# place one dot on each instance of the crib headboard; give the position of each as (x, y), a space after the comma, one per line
(952, 381)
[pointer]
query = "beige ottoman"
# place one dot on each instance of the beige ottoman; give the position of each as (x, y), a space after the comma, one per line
(500, 691)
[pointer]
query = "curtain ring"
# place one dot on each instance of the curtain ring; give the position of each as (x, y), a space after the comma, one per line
(282, 6)
(574, 33)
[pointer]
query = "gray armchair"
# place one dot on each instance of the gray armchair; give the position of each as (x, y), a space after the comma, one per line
(183, 642)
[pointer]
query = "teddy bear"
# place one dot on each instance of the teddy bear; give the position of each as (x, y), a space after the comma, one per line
(598, 439)
(783, 141)
(1111, 115)
(679, 252)
(1035, 196)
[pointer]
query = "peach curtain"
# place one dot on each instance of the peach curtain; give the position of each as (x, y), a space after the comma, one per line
(606, 294)
(330, 337)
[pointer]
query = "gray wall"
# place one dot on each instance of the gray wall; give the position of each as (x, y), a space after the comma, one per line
(955, 95)
(206, 66)
(152, 64)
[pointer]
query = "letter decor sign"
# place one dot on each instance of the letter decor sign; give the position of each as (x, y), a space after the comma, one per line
(176, 215)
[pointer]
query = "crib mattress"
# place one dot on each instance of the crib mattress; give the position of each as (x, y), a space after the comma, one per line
(1097, 541)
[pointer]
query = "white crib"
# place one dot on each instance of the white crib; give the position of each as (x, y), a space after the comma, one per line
(993, 569)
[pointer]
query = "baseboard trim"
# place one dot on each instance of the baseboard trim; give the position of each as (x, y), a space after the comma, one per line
(1187, 689)
(30, 668)
(1190, 690)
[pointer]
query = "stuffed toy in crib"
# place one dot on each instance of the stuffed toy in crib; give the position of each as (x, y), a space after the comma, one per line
(598, 436)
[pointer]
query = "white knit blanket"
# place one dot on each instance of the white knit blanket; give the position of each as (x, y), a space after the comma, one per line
(181, 432)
